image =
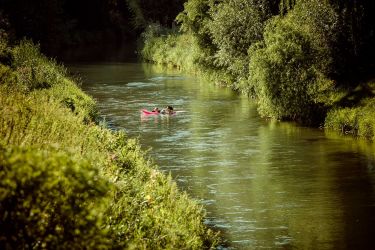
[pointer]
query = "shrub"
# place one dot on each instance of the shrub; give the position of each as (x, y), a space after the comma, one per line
(49, 200)
(288, 71)
(7, 75)
(72, 97)
(358, 121)
(344, 120)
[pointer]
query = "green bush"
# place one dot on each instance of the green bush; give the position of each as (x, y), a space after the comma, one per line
(7, 75)
(344, 120)
(288, 71)
(72, 97)
(50, 200)
(358, 121)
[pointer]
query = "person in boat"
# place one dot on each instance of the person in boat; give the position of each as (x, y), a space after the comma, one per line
(168, 110)
(156, 110)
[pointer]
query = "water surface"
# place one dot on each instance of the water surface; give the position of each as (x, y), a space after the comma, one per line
(264, 184)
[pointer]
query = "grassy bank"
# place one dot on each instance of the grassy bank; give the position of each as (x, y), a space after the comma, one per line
(167, 47)
(356, 115)
(182, 51)
(66, 182)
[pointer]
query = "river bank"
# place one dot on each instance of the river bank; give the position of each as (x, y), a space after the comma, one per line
(345, 110)
(68, 181)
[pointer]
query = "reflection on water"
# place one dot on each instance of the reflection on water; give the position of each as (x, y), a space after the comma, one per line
(264, 184)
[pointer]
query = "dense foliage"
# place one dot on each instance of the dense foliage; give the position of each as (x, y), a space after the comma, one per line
(68, 183)
(49, 200)
(358, 119)
(235, 26)
(288, 70)
(297, 58)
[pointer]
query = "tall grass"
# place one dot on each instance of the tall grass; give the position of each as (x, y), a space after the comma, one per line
(68, 183)
(181, 50)
(170, 48)
(358, 120)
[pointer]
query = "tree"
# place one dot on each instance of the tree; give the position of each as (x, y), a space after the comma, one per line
(289, 70)
(235, 26)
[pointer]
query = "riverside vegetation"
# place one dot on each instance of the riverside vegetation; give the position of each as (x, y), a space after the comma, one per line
(309, 61)
(67, 182)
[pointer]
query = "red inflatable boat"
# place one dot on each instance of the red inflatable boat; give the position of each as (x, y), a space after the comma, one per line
(146, 112)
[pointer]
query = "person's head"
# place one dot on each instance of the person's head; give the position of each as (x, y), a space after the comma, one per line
(156, 109)
(170, 108)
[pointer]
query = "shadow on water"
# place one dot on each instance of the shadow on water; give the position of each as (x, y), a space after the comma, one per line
(331, 180)
(354, 186)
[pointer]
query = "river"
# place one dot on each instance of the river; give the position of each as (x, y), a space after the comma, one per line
(264, 184)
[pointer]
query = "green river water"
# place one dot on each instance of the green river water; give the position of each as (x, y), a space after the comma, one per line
(264, 184)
